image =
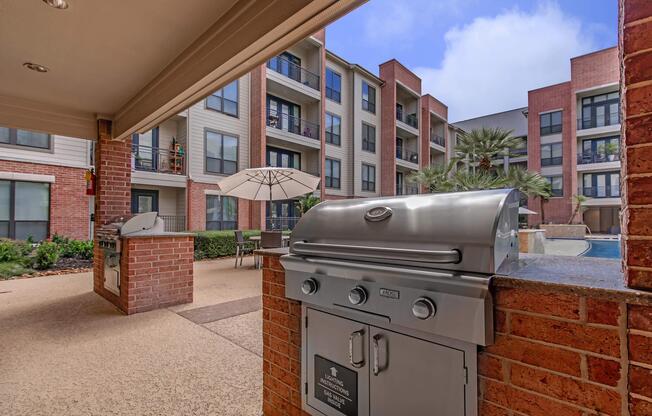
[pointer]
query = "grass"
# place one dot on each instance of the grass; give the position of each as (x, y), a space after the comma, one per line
(9, 270)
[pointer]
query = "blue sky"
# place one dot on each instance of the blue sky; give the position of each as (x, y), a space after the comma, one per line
(478, 56)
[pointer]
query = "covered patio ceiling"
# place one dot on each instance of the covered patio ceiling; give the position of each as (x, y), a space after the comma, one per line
(137, 63)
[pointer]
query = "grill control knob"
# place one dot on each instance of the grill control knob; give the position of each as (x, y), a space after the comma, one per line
(424, 308)
(358, 295)
(309, 286)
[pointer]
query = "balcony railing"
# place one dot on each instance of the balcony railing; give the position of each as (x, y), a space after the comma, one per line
(589, 123)
(155, 159)
(409, 119)
(612, 191)
(292, 124)
(174, 223)
(518, 152)
(552, 161)
(587, 158)
(294, 72)
(281, 223)
(437, 139)
(407, 155)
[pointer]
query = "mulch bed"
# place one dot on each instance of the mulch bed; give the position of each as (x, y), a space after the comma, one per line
(63, 266)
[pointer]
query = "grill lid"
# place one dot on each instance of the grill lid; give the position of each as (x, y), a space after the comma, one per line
(466, 231)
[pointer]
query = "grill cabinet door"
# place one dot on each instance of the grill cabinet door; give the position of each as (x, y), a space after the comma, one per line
(338, 383)
(409, 376)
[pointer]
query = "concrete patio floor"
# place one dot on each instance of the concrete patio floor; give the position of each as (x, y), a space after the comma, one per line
(66, 351)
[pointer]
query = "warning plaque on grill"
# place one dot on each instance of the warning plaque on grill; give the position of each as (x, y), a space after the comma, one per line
(336, 386)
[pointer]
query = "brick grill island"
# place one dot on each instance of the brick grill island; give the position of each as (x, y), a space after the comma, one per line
(571, 339)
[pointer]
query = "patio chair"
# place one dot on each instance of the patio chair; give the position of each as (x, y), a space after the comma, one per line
(242, 247)
(271, 239)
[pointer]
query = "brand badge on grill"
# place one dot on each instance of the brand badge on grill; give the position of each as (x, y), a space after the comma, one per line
(378, 214)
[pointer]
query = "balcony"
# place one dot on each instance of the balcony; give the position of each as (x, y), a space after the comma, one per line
(438, 140)
(174, 223)
(612, 119)
(590, 157)
(410, 119)
(292, 124)
(407, 155)
(294, 72)
(157, 160)
(518, 152)
(602, 191)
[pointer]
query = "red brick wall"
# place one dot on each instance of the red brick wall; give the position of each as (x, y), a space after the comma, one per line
(196, 193)
(69, 213)
(566, 354)
(557, 210)
(556, 353)
(636, 94)
(157, 274)
(387, 170)
(594, 69)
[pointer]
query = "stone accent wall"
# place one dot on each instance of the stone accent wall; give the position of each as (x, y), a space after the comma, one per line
(69, 213)
(566, 354)
(636, 95)
(556, 352)
(564, 230)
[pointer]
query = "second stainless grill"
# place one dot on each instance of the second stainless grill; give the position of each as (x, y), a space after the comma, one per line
(396, 298)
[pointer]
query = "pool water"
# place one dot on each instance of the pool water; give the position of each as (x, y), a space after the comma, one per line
(603, 248)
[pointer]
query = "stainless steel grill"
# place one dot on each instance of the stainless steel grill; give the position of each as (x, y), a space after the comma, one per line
(396, 299)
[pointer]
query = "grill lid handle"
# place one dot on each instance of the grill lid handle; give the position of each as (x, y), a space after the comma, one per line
(453, 256)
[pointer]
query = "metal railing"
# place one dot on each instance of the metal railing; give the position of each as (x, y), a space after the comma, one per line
(591, 157)
(174, 223)
(155, 159)
(294, 72)
(589, 123)
(407, 155)
(411, 190)
(409, 119)
(612, 191)
(281, 223)
(437, 139)
(292, 124)
(518, 152)
(552, 161)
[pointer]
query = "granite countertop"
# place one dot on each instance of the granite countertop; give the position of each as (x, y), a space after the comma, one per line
(581, 275)
(272, 252)
(159, 235)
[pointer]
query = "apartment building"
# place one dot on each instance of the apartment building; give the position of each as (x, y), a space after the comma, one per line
(572, 131)
(306, 108)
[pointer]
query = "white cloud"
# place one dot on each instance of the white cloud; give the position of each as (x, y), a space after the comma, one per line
(491, 63)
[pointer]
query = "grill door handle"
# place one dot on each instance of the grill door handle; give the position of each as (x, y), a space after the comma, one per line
(356, 334)
(350, 251)
(376, 365)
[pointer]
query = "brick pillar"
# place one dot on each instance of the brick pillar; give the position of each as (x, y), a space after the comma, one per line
(113, 193)
(386, 172)
(258, 135)
(635, 41)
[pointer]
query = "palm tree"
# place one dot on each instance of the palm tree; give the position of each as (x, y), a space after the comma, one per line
(528, 183)
(579, 201)
(306, 202)
(480, 146)
(435, 178)
(475, 181)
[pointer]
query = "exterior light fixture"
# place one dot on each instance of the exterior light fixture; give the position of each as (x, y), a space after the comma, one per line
(57, 4)
(35, 67)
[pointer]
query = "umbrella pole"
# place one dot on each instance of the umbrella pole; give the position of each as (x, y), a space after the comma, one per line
(271, 217)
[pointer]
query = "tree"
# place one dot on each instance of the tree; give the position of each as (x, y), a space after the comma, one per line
(579, 201)
(435, 178)
(306, 202)
(528, 183)
(480, 147)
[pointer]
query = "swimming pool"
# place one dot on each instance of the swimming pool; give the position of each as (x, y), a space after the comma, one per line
(603, 248)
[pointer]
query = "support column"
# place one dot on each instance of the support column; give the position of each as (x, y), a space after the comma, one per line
(635, 41)
(258, 135)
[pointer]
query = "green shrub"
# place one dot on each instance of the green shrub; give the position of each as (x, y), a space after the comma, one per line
(47, 254)
(11, 269)
(78, 249)
(12, 250)
(214, 244)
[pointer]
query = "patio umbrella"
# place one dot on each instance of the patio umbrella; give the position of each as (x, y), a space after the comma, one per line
(268, 184)
(525, 211)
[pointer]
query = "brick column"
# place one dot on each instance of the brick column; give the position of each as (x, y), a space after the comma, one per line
(635, 39)
(386, 172)
(258, 134)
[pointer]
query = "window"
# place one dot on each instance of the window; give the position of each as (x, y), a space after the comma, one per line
(225, 100)
(285, 115)
(333, 85)
(550, 123)
(368, 178)
(399, 183)
(551, 154)
(24, 210)
(601, 185)
(368, 98)
(604, 149)
(333, 170)
(281, 158)
(333, 129)
(557, 185)
(25, 138)
(144, 200)
(600, 110)
(221, 212)
(221, 153)
(368, 138)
